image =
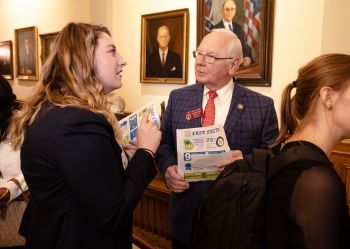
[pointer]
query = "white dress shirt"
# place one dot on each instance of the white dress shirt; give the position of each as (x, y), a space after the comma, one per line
(222, 102)
(161, 54)
(226, 24)
(10, 167)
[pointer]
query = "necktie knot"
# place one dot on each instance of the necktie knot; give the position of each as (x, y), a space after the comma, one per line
(212, 95)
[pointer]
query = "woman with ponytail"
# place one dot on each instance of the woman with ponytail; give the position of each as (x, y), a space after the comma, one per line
(306, 203)
(83, 187)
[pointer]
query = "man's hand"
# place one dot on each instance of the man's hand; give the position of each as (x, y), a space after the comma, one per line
(235, 155)
(174, 181)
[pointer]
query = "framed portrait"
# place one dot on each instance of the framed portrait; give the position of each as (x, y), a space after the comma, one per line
(252, 22)
(46, 41)
(164, 47)
(6, 60)
(26, 40)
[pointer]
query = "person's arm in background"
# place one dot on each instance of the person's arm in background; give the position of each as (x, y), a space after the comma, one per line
(11, 168)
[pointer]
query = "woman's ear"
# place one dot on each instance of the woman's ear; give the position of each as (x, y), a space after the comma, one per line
(327, 97)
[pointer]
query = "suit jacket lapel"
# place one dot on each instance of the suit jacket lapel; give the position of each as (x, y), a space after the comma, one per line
(198, 102)
(237, 107)
(194, 102)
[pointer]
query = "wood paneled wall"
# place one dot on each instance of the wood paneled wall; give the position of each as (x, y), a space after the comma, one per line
(151, 218)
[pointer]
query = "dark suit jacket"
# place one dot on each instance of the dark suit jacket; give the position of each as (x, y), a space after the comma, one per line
(81, 197)
(237, 29)
(172, 67)
(253, 126)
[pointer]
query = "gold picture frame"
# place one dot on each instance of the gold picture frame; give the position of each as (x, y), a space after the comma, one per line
(6, 59)
(255, 19)
(172, 67)
(46, 42)
(26, 40)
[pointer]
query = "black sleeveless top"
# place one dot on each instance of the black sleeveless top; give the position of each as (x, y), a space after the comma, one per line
(306, 207)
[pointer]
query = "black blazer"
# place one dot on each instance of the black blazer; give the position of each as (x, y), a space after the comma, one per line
(237, 29)
(172, 67)
(81, 197)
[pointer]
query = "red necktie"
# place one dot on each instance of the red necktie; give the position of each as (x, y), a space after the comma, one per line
(209, 111)
(163, 59)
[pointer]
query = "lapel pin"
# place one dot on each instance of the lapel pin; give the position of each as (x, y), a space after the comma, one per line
(240, 106)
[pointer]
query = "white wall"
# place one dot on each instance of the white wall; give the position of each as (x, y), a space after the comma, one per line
(128, 40)
(49, 16)
(297, 39)
(302, 30)
(336, 35)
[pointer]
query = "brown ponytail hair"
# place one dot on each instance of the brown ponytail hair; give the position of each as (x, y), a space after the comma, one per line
(331, 70)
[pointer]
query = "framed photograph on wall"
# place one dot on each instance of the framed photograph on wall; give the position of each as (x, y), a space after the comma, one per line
(46, 41)
(26, 40)
(164, 47)
(252, 22)
(6, 60)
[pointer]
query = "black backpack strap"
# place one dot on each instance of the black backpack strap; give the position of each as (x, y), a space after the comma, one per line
(295, 154)
(261, 158)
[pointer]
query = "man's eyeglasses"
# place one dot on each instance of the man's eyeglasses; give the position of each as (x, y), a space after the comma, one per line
(209, 58)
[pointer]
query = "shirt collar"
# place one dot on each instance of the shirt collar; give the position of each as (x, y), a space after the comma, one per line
(226, 24)
(223, 92)
(161, 51)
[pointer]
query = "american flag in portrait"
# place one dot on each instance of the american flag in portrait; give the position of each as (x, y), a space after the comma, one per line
(208, 15)
(251, 26)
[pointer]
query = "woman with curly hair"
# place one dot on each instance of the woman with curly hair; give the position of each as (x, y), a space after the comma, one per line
(83, 187)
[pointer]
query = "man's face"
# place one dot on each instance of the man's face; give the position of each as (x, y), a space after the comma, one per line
(215, 75)
(229, 11)
(163, 37)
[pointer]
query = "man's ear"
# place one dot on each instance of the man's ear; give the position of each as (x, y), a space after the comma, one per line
(234, 65)
(327, 96)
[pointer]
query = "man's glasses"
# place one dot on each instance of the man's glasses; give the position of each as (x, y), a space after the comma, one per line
(209, 58)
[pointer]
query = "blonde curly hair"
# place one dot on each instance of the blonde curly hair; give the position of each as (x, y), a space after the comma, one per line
(68, 78)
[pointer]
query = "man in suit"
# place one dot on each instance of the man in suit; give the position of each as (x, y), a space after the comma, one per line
(228, 12)
(249, 120)
(27, 61)
(164, 63)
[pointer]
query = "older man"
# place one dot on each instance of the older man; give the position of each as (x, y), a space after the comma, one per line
(228, 12)
(249, 121)
(164, 63)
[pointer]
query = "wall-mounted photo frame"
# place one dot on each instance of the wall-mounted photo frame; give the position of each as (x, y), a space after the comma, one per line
(6, 60)
(253, 24)
(164, 47)
(46, 41)
(26, 40)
